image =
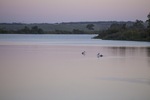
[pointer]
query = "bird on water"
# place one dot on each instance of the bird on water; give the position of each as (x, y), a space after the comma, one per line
(83, 53)
(99, 55)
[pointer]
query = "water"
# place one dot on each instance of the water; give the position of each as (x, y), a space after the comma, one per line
(51, 67)
(54, 39)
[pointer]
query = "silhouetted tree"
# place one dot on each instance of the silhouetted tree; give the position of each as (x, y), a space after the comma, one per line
(26, 30)
(90, 26)
(148, 27)
(148, 16)
(136, 32)
(3, 30)
(138, 24)
(36, 30)
(114, 28)
(77, 31)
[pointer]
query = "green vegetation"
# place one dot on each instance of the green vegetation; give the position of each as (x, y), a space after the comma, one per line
(136, 32)
(148, 21)
(90, 26)
(57, 28)
(25, 30)
(107, 30)
(33, 30)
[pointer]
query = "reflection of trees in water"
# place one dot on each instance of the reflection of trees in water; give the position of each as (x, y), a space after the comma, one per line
(135, 52)
(148, 51)
(119, 50)
(148, 54)
(130, 51)
(123, 51)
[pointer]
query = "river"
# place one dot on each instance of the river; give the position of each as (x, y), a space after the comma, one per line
(52, 67)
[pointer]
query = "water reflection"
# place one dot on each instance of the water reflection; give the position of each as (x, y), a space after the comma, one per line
(130, 55)
(130, 51)
(62, 73)
(129, 80)
(148, 54)
(148, 51)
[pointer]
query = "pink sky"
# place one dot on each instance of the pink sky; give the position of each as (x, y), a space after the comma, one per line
(53, 11)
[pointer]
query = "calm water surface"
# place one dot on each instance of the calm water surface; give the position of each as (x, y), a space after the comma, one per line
(54, 39)
(51, 67)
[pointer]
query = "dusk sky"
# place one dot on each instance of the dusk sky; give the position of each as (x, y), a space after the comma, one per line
(55, 11)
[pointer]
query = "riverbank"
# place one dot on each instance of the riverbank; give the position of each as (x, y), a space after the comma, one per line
(137, 32)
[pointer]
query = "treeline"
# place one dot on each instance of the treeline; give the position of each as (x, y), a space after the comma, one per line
(74, 31)
(136, 32)
(25, 30)
(37, 30)
(57, 28)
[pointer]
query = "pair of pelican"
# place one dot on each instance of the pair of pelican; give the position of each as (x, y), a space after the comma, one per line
(98, 55)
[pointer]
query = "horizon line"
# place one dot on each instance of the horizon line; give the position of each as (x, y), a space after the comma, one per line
(62, 22)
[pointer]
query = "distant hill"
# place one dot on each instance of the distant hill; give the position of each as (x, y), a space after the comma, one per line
(65, 26)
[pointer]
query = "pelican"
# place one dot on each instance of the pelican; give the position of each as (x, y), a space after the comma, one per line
(99, 55)
(83, 53)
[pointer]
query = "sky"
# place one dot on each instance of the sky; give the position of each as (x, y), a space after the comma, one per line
(56, 11)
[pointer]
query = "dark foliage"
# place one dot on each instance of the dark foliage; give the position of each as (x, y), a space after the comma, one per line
(25, 30)
(77, 31)
(90, 26)
(61, 32)
(33, 30)
(136, 32)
